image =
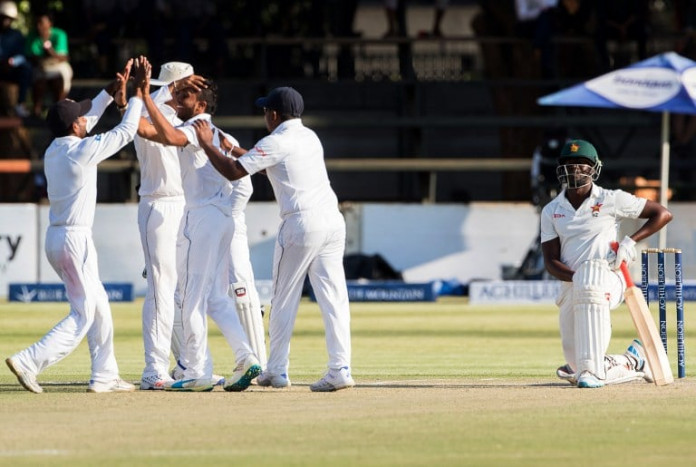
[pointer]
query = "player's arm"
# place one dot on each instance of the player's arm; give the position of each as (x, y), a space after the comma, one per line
(107, 96)
(100, 147)
(657, 217)
(161, 130)
(164, 133)
(197, 82)
(228, 167)
(552, 260)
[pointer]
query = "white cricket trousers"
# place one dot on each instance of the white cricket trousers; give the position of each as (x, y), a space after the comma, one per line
(240, 260)
(615, 288)
(203, 255)
(159, 221)
(310, 244)
(71, 252)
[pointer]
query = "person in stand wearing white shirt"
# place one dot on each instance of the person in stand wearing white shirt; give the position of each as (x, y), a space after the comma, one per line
(311, 238)
(578, 228)
(203, 252)
(70, 164)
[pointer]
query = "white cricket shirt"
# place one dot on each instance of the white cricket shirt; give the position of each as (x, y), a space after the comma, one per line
(203, 184)
(160, 174)
(293, 158)
(588, 232)
(70, 164)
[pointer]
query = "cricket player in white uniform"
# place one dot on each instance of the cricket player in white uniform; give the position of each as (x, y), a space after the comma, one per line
(71, 172)
(577, 230)
(160, 210)
(311, 238)
(203, 252)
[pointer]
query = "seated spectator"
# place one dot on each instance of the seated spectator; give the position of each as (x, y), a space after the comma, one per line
(573, 19)
(625, 22)
(14, 67)
(47, 49)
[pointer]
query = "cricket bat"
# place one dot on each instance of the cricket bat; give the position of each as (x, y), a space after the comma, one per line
(647, 331)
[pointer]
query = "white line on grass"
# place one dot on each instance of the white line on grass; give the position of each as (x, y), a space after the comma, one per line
(33, 452)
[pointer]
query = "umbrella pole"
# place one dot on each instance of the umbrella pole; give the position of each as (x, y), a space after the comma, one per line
(664, 175)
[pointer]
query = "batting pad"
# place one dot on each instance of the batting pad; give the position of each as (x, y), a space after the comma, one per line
(592, 318)
(252, 320)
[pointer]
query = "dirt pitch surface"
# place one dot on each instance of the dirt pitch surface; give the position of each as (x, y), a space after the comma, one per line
(386, 422)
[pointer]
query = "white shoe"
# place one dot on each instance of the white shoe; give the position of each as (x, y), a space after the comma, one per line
(26, 379)
(243, 374)
(267, 379)
(588, 380)
(620, 369)
(155, 382)
(334, 380)
(177, 373)
(190, 385)
(636, 352)
(566, 373)
(115, 385)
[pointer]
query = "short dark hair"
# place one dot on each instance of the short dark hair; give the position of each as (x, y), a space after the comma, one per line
(41, 13)
(209, 95)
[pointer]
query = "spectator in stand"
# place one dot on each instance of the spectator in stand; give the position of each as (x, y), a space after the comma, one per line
(396, 15)
(623, 21)
(573, 20)
(534, 21)
(47, 49)
(14, 67)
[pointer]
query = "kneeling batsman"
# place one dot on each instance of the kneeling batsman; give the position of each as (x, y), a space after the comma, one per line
(578, 228)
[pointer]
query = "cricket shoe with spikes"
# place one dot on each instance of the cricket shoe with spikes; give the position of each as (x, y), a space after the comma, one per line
(566, 373)
(334, 380)
(178, 373)
(636, 352)
(155, 382)
(25, 378)
(266, 379)
(190, 385)
(114, 385)
(243, 374)
(620, 369)
(588, 380)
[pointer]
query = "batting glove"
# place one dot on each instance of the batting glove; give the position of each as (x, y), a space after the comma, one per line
(625, 252)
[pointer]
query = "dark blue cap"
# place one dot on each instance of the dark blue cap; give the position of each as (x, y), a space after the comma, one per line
(284, 100)
(63, 113)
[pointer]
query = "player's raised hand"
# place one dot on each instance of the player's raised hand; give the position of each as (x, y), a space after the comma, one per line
(197, 82)
(120, 96)
(121, 80)
(203, 132)
(143, 70)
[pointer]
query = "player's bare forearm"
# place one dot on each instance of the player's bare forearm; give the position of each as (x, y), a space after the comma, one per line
(228, 167)
(559, 270)
(164, 132)
(553, 263)
(657, 217)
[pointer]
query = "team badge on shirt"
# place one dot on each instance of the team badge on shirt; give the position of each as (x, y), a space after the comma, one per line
(595, 209)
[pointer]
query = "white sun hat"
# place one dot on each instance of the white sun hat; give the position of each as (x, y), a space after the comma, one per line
(172, 71)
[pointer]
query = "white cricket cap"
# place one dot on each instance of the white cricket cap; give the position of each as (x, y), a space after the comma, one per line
(8, 9)
(172, 71)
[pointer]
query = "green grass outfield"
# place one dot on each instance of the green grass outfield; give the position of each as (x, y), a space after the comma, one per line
(441, 383)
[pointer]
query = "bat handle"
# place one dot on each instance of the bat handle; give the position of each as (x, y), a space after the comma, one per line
(624, 266)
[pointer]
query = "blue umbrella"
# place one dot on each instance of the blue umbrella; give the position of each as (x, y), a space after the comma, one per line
(664, 83)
